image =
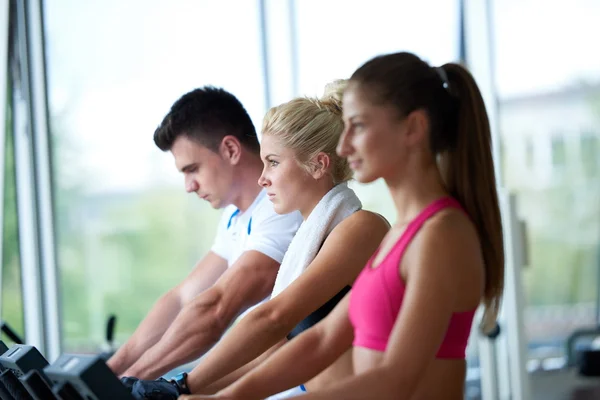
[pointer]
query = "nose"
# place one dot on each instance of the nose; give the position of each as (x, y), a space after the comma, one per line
(263, 181)
(191, 185)
(344, 148)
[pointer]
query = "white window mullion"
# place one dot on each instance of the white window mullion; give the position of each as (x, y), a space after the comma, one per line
(43, 170)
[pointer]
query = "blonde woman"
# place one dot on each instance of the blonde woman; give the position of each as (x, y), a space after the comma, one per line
(301, 172)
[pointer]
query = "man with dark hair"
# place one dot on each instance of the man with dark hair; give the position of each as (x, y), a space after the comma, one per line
(207, 115)
(214, 144)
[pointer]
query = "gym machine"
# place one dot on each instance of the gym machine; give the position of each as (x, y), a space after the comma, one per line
(26, 375)
(23, 376)
(89, 376)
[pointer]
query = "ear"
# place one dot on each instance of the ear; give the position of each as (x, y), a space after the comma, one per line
(416, 127)
(231, 149)
(320, 165)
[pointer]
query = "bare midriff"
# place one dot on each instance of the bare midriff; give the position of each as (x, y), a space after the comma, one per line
(443, 379)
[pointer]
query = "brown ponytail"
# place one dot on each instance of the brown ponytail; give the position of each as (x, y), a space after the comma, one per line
(468, 170)
(460, 138)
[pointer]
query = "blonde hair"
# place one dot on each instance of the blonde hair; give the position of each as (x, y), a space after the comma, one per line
(310, 126)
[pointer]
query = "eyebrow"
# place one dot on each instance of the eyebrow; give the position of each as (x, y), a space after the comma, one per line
(188, 167)
(271, 155)
(354, 117)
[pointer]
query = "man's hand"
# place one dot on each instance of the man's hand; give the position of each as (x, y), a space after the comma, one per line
(128, 382)
(160, 389)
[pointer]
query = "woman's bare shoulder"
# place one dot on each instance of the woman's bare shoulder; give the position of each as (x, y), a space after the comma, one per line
(366, 219)
(361, 227)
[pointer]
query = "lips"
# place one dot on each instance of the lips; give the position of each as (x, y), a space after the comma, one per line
(354, 164)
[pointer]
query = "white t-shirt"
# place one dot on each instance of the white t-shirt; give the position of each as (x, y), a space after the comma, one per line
(258, 228)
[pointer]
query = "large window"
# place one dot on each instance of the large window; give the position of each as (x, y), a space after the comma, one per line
(127, 232)
(548, 84)
(126, 229)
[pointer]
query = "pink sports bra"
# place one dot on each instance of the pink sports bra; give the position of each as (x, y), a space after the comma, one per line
(376, 297)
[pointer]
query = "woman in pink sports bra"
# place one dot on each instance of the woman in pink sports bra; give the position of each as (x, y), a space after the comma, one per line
(425, 131)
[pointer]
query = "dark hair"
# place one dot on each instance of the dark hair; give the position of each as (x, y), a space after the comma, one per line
(459, 136)
(207, 115)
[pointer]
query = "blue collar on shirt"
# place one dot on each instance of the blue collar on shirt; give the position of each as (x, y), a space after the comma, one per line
(236, 212)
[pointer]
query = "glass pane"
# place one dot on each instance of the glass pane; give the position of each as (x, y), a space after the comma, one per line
(549, 87)
(328, 53)
(11, 291)
(126, 230)
(350, 33)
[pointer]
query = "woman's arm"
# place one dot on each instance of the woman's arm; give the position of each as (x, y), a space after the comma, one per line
(342, 256)
(238, 373)
(301, 359)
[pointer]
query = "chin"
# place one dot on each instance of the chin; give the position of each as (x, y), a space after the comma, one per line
(279, 209)
(363, 177)
(217, 204)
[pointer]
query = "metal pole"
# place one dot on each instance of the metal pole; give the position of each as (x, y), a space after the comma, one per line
(4, 25)
(293, 19)
(39, 120)
(598, 283)
(462, 38)
(34, 185)
(262, 13)
(28, 239)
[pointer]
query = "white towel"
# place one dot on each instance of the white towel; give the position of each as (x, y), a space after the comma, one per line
(339, 203)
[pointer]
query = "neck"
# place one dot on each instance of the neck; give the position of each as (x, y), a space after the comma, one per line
(414, 190)
(320, 189)
(247, 176)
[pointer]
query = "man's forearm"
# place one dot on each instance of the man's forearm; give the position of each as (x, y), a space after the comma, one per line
(147, 334)
(195, 330)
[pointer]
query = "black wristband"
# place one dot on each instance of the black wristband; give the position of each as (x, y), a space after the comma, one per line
(180, 381)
